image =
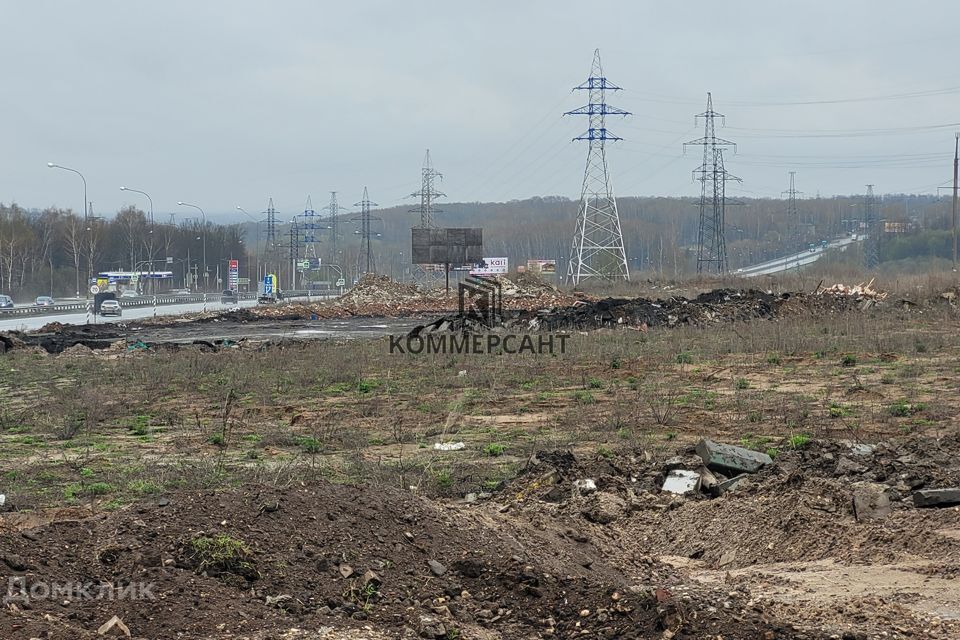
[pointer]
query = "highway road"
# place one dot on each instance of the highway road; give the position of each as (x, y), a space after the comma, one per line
(29, 323)
(795, 261)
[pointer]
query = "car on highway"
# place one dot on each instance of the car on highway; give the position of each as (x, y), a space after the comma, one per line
(110, 308)
(129, 293)
(229, 297)
(181, 292)
(44, 301)
(6, 302)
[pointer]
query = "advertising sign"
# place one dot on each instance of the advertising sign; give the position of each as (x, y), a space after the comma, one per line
(491, 266)
(546, 267)
(233, 275)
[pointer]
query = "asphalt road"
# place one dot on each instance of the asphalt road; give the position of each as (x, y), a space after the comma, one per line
(795, 261)
(131, 313)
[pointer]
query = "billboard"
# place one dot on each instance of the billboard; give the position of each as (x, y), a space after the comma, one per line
(446, 246)
(233, 275)
(491, 266)
(546, 267)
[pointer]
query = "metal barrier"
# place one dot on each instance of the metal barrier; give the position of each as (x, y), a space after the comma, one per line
(143, 301)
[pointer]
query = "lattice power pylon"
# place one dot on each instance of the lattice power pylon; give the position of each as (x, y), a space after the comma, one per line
(309, 226)
(428, 193)
(871, 246)
(597, 250)
(427, 275)
(366, 232)
(711, 242)
(333, 225)
(271, 224)
(793, 213)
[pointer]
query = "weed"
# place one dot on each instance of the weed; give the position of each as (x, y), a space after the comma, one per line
(584, 397)
(798, 440)
(217, 439)
(742, 383)
(310, 445)
(773, 358)
(493, 449)
(443, 478)
(222, 554)
(595, 383)
(604, 451)
(684, 358)
(773, 452)
(848, 361)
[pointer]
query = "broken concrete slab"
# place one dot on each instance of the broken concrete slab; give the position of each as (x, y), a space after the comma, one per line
(725, 457)
(707, 479)
(870, 501)
(727, 485)
(936, 497)
(682, 482)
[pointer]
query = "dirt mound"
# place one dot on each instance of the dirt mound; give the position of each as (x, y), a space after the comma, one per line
(374, 289)
(238, 563)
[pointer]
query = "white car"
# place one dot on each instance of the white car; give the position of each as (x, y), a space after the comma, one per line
(110, 308)
(129, 293)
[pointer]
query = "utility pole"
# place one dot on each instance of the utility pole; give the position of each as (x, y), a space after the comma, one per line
(365, 231)
(956, 147)
(871, 248)
(711, 242)
(294, 248)
(597, 250)
(793, 214)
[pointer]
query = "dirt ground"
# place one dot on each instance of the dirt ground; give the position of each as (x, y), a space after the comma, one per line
(295, 489)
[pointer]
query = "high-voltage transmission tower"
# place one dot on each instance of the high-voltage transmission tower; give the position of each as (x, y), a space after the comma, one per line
(597, 250)
(793, 214)
(309, 227)
(427, 193)
(366, 233)
(271, 224)
(871, 247)
(711, 242)
(333, 225)
(293, 247)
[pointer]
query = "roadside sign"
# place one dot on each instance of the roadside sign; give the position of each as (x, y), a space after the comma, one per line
(491, 266)
(233, 274)
(341, 282)
(169, 259)
(268, 284)
(243, 280)
(303, 265)
(94, 289)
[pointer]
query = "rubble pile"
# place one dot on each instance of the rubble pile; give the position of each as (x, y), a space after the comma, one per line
(860, 291)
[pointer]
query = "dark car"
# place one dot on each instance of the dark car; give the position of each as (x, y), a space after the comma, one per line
(229, 297)
(6, 302)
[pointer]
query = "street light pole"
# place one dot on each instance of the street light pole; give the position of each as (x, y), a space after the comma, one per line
(203, 217)
(956, 148)
(150, 233)
(86, 222)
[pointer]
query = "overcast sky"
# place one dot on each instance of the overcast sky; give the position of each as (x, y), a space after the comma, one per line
(226, 103)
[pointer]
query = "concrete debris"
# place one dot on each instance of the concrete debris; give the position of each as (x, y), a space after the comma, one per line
(682, 482)
(725, 457)
(728, 485)
(449, 446)
(113, 627)
(585, 486)
(936, 497)
(870, 501)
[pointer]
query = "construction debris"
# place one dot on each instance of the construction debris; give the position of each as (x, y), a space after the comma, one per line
(682, 482)
(859, 291)
(936, 497)
(725, 457)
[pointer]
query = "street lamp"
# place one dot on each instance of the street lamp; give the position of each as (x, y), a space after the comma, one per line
(150, 233)
(86, 222)
(203, 217)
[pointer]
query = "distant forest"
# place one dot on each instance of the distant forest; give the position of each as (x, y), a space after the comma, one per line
(51, 251)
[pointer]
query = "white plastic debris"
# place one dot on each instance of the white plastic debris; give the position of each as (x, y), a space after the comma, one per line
(449, 446)
(586, 485)
(462, 373)
(681, 481)
(3, 500)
